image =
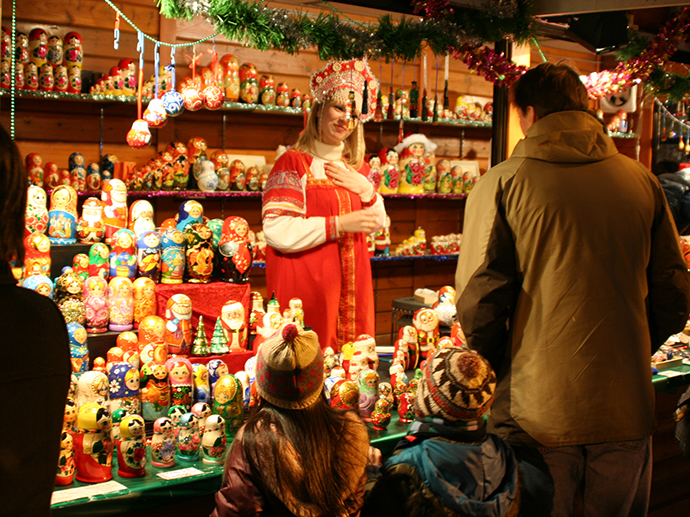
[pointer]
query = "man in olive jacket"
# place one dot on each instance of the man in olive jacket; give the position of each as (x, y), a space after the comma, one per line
(570, 276)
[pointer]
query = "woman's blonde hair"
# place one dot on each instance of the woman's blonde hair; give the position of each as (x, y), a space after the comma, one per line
(354, 144)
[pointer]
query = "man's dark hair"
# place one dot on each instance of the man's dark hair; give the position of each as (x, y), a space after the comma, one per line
(550, 88)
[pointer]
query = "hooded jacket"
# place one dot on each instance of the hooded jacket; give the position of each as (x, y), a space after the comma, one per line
(570, 275)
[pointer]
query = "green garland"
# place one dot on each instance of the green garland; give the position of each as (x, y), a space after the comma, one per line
(264, 28)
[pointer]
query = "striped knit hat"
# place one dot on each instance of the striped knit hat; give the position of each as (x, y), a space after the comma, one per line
(289, 368)
(457, 384)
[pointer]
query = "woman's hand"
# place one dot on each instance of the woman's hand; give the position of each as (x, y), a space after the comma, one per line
(359, 221)
(374, 457)
(348, 178)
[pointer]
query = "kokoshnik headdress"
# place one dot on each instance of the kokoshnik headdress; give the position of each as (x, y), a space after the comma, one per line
(348, 82)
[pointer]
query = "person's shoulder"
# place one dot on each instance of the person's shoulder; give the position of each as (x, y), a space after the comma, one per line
(292, 158)
(36, 307)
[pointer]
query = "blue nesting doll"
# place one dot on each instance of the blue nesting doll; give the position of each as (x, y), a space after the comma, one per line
(124, 382)
(41, 284)
(172, 256)
(188, 440)
(79, 349)
(62, 216)
(216, 369)
(108, 166)
(190, 212)
(149, 254)
(77, 169)
(123, 258)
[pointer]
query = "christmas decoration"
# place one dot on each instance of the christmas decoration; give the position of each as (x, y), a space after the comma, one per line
(219, 342)
(200, 344)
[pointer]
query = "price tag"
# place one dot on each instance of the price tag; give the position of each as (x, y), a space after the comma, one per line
(670, 373)
(179, 473)
(87, 492)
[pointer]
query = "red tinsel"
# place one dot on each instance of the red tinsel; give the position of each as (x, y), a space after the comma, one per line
(494, 67)
(433, 9)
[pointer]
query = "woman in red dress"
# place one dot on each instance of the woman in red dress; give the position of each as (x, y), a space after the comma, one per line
(319, 207)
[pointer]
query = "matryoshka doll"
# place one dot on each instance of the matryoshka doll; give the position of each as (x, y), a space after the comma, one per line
(73, 79)
(30, 77)
(188, 439)
(62, 216)
(413, 162)
(42, 284)
(141, 217)
(163, 443)
(21, 48)
(205, 174)
(406, 396)
(155, 390)
(65, 473)
(55, 51)
(202, 386)
(425, 320)
(92, 386)
(345, 395)
(123, 258)
(124, 388)
(99, 255)
(374, 176)
(178, 327)
(234, 323)
(283, 95)
(38, 47)
(144, 296)
(368, 384)
(149, 255)
(151, 340)
(172, 256)
(199, 253)
(46, 79)
(249, 83)
(93, 177)
(77, 170)
(235, 251)
(5, 74)
(69, 297)
(228, 402)
(253, 179)
(390, 174)
(196, 148)
(34, 167)
(37, 255)
(79, 349)
(444, 177)
(381, 416)
(61, 78)
(90, 227)
(230, 67)
(96, 303)
(93, 448)
(128, 71)
(180, 164)
(131, 451)
(202, 410)
(114, 198)
(107, 167)
(221, 163)
(73, 50)
(175, 413)
(6, 44)
(216, 369)
(295, 98)
(267, 90)
(190, 212)
(181, 381)
(405, 348)
(213, 440)
(238, 176)
(51, 175)
(120, 304)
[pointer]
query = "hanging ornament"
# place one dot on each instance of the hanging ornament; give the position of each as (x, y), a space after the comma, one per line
(155, 113)
(172, 100)
(116, 43)
(365, 98)
(139, 137)
(212, 94)
(446, 99)
(191, 95)
(391, 98)
(349, 108)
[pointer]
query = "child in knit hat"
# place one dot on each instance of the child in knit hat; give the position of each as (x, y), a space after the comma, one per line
(295, 455)
(448, 464)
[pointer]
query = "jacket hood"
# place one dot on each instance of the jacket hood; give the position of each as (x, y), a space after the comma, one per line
(566, 136)
(478, 480)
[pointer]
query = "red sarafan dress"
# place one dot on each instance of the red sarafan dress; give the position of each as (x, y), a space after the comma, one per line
(331, 274)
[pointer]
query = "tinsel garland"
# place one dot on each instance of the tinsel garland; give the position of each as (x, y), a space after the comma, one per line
(493, 66)
(255, 25)
(648, 61)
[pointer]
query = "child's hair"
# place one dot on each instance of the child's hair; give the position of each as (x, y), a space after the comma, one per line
(13, 188)
(305, 455)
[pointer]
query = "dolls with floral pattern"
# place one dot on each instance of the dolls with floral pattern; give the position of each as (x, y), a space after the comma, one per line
(93, 448)
(99, 254)
(172, 256)
(163, 443)
(96, 303)
(123, 257)
(235, 251)
(390, 173)
(131, 451)
(120, 304)
(91, 227)
(36, 217)
(228, 402)
(155, 390)
(213, 441)
(37, 259)
(69, 297)
(414, 161)
(188, 439)
(124, 382)
(181, 381)
(199, 255)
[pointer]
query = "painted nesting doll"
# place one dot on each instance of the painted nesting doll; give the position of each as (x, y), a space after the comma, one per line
(34, 167)
(77, 168)
(175, 413)
(345, 395)
(190, 212)
(178, 327)
(144, 298)
(199, 253)
(188, 439)
(151, 339)
(155, 390)
(283, 95)
(216, 369)
(96, 303)
(257, 312)
(141, 217)
(148, 255)
(120, 304)
(230, 67)
(249, 83)
(405, 348)
(79, 350)
(228, 403)
(93, 177)
(93, 448)
(62, 216)
(444, 176)
(38, 46)
(213, 440)
(61, 78)
(92, 386)
(114, 197)
(390, 174)
(42, 284)
(425, 320)
(65, 473)
(238, 176)
(37, 255)
(374, 176)
(36, 216)
(202, 410)
(267, 90)
(124, 380)
(163, 443)
(123, 257)
(91, 227)
(80, 265)
(69, 297)
(131, 451)
(252, 181)
(172, 256)
(46, 79)
(222, 167)
(368, 384)
(234, 323)
(108, 166)
(381, 416)
(235, 251)
(73, 51)
(413, 163)
(99, 255)
(181, 381)
(73, 79)
(55, 52)
(202, 386)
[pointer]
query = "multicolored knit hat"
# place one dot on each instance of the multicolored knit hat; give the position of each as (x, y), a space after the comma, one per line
(289, 368)
(457, 384)
(338, 78)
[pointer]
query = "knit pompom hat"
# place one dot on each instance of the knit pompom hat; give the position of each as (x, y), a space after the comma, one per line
(456, 384)
(289, 368)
